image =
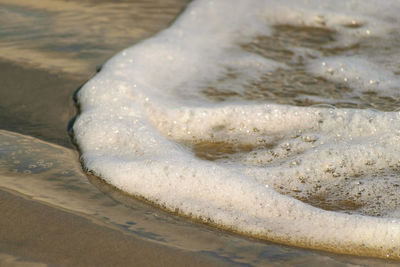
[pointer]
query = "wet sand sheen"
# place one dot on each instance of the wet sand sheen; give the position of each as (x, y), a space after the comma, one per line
(49, 180)
(42, 181)
(38, 232)
(37, 101)
(60, 218)
(137, 100)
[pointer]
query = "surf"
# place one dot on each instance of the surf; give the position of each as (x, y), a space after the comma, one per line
(256, 117)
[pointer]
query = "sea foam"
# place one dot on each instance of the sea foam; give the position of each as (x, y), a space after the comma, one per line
(198, 120)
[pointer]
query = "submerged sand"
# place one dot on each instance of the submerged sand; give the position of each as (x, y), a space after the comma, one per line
(52, 213)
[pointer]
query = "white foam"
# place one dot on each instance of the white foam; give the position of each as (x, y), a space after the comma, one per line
(360, 73)
(146, 104)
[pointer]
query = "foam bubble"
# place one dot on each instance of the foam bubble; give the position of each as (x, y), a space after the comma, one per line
(325, 178)
(360, 73)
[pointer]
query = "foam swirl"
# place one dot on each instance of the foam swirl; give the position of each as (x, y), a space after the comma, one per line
(216, 118)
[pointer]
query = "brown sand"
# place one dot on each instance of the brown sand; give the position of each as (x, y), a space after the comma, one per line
(36, 102)
(37, 85)
(38, 78)
(56, 223)
(40, 233)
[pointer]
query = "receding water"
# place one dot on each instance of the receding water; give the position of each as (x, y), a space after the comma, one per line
(50, 48)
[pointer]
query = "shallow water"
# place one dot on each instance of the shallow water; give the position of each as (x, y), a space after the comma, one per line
(297, 85)
(63, 57)
(290, 151)
(51, 174)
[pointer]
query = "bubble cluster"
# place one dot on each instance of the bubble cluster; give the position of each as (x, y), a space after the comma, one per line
(253, 116)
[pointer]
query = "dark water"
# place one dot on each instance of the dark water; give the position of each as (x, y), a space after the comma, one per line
(48, 49)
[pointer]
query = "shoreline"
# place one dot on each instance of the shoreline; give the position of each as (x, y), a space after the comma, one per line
(34, 232)
(53, 213)
(34, 198)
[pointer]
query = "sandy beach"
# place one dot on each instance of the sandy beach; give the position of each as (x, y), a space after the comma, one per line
(38, 233)
(36, 95)
(53, 214)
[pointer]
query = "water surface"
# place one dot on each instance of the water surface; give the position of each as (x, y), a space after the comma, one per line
(49, 49)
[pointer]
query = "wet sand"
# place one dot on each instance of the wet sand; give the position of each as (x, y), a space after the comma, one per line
(34, 227)
(55, 214)
(36, 102)
(43, 234)
(52, 213)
